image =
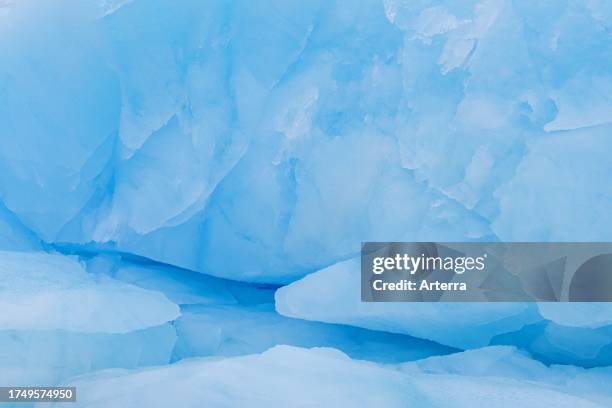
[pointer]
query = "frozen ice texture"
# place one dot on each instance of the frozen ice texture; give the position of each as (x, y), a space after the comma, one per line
(189, 81)
(50, 357)
(45, 292)
(58, 115)
(333, 295)
(564, 175)
(290, 376)
(263, 141)
(227, 318)
(589, 315)
(232, 330)
(14, 235)
(390, 120)
(58, 320)
(508, 362)
(563, 333)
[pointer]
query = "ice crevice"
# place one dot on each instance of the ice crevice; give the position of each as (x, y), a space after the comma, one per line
(93, 300)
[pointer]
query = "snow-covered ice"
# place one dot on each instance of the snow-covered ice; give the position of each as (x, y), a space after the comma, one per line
(290, 376)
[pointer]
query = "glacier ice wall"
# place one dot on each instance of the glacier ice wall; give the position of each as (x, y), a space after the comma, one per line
(161, 117)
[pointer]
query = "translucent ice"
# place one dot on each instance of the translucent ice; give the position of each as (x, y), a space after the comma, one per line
(589, 315)
(225, 318)
(189, 81)
(14, 235)
(565, 333)
(57, 320)
(42, 292)
(51, 356)
(517, 96)
(333, 295)
(263, 141)
(58, 114)
(565, 175)
(239, 329)
(391, 120)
